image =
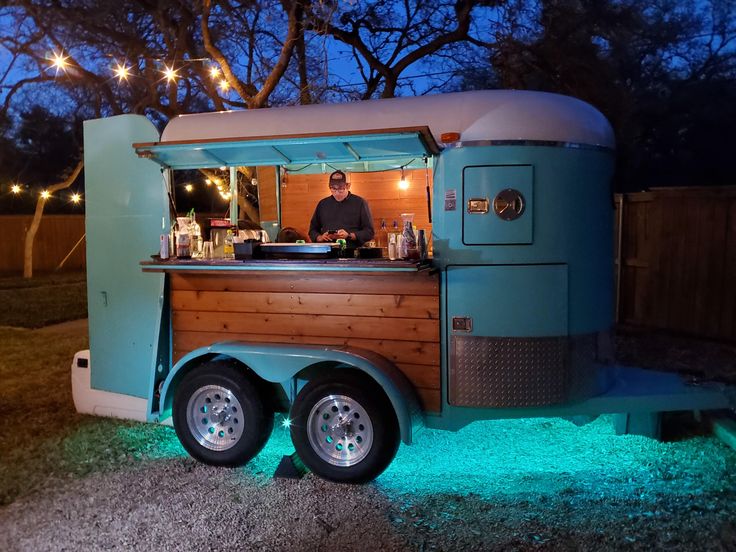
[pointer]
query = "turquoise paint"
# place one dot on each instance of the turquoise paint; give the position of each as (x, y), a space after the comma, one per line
(509, 301)
(279, 363)
(127, 210)
(486, 182)
(285, 151)
(572, 221)
(239, 266)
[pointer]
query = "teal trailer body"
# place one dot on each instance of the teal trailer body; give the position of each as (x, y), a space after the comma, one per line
(521, 208)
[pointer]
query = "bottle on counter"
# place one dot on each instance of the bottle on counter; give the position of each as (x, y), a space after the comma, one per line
(392, 253)
(422, 244)
(382, 238)
(228, 249)
(409, 242)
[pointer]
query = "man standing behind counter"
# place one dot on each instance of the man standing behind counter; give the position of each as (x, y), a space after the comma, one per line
(343, 215)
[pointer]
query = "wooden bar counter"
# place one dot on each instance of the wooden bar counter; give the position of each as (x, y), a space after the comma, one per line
(390, 307)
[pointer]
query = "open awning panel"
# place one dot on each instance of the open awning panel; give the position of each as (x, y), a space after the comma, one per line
(292, 150)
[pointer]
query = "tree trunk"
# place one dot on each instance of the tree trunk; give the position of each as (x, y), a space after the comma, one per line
(36, 222)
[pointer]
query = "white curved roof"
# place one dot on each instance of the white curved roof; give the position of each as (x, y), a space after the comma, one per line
(476, 115)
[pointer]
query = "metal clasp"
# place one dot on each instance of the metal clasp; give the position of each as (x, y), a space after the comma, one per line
(478, 205)
(462, 324)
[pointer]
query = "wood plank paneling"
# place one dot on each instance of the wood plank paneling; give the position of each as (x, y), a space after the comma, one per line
(366, 327)
(392, 313)
(301, 192)
(404, 352)
(346, 304)
(679, 251)
(56, 237)
(401, 283)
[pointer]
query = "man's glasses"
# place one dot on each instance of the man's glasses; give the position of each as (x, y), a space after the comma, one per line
(338, 188)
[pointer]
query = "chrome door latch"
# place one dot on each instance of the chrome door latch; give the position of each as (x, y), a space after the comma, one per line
(478, 205)
(462, 324)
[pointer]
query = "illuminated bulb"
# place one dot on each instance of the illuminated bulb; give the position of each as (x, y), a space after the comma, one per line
(45, 194)
(208, 182)
(15, 189)
(285, 423)
(59, 61)
(188, 187)
(170, 74)
(122, 72)
(217, 181)
(224, 85)
(403, 183)
(214, 72)
(76, 198)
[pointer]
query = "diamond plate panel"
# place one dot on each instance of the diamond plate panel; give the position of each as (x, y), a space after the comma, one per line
(514, 372)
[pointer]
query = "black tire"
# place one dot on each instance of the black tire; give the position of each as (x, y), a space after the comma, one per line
(219, 416)
(344, 428)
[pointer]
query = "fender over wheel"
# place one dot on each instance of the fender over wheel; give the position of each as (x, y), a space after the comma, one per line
(344, 427)
(219, 415)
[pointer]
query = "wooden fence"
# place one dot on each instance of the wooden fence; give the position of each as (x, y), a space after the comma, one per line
(56, 237)
(676, 260)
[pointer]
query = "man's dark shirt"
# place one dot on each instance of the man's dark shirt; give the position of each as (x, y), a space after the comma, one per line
(352, 214)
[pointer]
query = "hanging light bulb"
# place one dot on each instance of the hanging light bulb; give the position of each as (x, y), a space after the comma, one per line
(122, 72)
(76, 198)
(170, 74)
(15, 188)
(224, 85)
(214, 72)
(45, 194)
(189, 188)
(403, 183)
(59, 60)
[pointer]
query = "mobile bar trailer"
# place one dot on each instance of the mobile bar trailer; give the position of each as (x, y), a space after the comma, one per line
(510, 317)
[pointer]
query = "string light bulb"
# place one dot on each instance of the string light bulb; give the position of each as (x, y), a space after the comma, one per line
(122, 72)
(189, 188)
(224, 85)
(403, 183)
(207, 182)
(214, 72)
(15, 188)
(59, 60)
(170, 74)
(76, 198)
(45, 194)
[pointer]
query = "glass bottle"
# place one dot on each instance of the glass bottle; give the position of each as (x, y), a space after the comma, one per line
(228, 249)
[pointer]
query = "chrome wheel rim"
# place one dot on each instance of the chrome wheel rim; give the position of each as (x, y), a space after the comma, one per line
(215, 417)
(340, 430)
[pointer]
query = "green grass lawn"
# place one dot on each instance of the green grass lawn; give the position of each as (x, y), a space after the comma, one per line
(43, 300)
(42, 436)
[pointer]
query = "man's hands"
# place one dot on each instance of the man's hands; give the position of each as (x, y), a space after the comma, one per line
(332, 236)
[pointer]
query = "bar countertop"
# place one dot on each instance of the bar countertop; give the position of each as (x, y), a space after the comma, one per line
(229, 265)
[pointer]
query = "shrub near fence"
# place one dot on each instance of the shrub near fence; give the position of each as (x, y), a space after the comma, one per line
(56, 237)
(677, 260)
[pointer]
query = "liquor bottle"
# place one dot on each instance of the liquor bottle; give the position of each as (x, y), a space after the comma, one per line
(228, 249)
(382, 238)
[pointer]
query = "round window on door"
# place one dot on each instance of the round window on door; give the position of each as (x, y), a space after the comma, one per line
(509, 204)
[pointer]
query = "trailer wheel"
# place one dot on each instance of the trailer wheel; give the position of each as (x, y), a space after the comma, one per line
(344, 427)
(219, 415)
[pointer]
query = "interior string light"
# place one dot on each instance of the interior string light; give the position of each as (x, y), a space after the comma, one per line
(15, 188)
(403, 183)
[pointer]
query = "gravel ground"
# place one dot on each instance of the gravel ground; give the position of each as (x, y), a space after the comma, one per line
(540, 484)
